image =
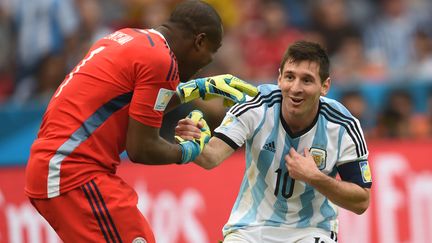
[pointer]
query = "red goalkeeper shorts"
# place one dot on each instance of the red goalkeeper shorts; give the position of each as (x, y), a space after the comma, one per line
(102, 210)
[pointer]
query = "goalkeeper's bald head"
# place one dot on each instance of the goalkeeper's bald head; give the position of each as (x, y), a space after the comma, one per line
(198, 17)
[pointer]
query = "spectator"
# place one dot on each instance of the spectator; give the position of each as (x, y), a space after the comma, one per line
(421, 66)
(422, 123)
(351, 66)
(361, 12)
(6, 47)
(50, 72)
(390, 38)
(398, 119)
(298, 12)
(155, 14)
(229, 11)
(264, 46)
(356, 104)
(42, 28)
(329, 19)
(92, 28)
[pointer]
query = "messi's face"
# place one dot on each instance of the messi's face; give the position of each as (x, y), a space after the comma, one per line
(301, 88)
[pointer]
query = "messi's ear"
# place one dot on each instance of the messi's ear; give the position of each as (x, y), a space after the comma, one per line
(325, 87)
(279, 77)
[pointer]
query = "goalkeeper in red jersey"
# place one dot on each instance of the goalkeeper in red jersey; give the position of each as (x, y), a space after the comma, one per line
(114, 100)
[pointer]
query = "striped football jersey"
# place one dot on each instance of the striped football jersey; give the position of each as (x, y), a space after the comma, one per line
(268, 196)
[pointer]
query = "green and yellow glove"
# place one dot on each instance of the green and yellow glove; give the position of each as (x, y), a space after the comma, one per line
(192, 148)
(231, 88)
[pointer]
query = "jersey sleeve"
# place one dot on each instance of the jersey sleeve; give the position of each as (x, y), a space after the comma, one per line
(353, 165)
(152, 90)
(238, 124)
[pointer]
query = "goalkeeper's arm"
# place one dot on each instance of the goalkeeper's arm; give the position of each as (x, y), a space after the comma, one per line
(145, 146)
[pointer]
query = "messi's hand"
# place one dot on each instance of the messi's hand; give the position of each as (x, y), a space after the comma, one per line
(192, 148)
(231, 88)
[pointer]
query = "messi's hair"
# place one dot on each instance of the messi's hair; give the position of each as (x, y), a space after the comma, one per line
(308, 51)
(198, 17)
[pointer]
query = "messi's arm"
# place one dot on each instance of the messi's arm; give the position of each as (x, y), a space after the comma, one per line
(214, 153)
(345, 194)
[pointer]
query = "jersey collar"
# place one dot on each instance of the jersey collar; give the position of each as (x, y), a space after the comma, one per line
(304, 131)
(159, 34)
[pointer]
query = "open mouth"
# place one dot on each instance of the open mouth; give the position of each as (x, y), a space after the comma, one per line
(296, 101)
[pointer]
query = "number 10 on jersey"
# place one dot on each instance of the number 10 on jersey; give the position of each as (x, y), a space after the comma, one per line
(286, 181)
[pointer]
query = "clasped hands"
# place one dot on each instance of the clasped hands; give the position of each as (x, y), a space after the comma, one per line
(193, 133)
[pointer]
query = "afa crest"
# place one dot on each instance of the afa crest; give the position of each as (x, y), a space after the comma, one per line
(319, 156)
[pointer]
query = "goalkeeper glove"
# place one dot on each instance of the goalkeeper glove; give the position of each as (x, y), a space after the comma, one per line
(192, 148)
(231, 88)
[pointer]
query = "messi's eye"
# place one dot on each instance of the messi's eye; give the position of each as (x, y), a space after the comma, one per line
(289, 77)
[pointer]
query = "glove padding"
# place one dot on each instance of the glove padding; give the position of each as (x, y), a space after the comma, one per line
(192, 148)
(231, 88)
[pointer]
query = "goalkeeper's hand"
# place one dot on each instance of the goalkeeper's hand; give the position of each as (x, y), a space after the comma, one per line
(231, 88)
(192, 148)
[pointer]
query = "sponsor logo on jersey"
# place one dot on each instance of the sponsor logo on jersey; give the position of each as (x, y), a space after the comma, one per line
(319, 156)
(270, 147)
(365, 171)
(163, 98)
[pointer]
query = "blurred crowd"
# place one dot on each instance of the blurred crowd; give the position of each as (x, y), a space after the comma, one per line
(369, 42)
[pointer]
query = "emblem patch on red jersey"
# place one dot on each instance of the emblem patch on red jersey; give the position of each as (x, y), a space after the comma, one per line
(163, 98)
